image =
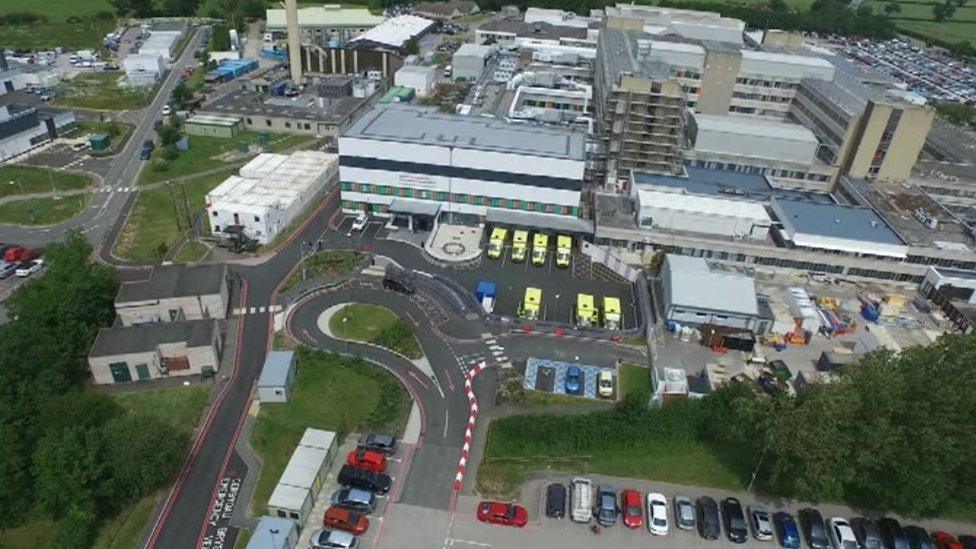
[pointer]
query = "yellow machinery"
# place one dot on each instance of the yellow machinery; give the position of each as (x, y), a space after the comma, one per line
(540, 242)
(520, 244)
(611, 313)
(529, 309)
(496, 244)
(564, 249)
(585, 310)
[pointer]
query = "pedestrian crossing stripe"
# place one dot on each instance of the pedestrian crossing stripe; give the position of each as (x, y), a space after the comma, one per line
(258, 310)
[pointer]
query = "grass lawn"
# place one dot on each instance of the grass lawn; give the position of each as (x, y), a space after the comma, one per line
(192, 251)
(369, 323)
(29, 179)
(101, 90)
(330, 392)
(332, 262)
(178, 406)
(950, 31)
(633, 378)
(55, 11)
(37, 533)
(57, 32)
(151, 229)
(42, 211)
(123, 531)
(542, 398)
(119, 132)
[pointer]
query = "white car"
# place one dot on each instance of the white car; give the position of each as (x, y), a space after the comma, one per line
(360, 222)
(657, 514)
(167, 109)
(605, 383)
(27, 269)
(841, 534)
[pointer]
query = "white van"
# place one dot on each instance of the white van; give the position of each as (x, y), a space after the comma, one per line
(581, 500)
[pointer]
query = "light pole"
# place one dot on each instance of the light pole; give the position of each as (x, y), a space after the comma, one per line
(557, 307)
(19, 184)
(274, 532)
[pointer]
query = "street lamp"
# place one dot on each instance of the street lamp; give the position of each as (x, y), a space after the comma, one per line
(19, 184)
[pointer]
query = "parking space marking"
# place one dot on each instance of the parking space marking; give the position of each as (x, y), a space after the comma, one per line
(452, 541)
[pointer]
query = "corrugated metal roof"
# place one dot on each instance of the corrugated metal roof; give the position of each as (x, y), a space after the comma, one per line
(704, 205)
(710, 290)
(326, 16)
(395, 31)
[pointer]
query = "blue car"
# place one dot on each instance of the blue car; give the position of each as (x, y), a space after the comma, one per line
(574, 380)
(787, 531)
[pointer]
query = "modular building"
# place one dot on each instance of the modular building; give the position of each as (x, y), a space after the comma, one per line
(420, 78)
(393, 34)
(693, 294)
(676, 211)
(174, 293)
(143, 69)
(214, 125)
(303, 477)
(469, 61)
(152, 351)
(274, 533)
(231, 69)
(161, 44)
(277, 377)
(270, 192)
(417, 162)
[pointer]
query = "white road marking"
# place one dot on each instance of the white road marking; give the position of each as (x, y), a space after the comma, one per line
(452, 541)
(445, 423)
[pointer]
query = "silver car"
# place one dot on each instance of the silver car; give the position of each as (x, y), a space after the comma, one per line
(332, 539)
(761, 523)
(684, 512)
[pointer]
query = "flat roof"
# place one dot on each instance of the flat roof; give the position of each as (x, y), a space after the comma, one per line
(276, 367)
(755, 127)
(498, 216)
(214, 119)
(174, 281)
(139, 339)
(474, 50)
(303, 467)
(728, 183)
(395, 31)
(694, 284)
(329, 15)
(262, 538)
(288, 497)
(318, 438)
(703, 204)
(617, 51)
(272, 180)
(402, 123)
(838, 221)
(253, 104)
(537, 29)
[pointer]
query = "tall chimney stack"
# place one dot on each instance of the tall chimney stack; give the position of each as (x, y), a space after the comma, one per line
(294, 42)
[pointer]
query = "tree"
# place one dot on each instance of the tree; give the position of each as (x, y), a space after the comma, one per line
(168, 135)
(180, 7)
(85, 409)
(944, 12)
(70, 470)
(134, 8)
(180, 96)
(892, 7)
(142, 453)
(15, 491)
(77, 528)
(412, 47)
(959, 114)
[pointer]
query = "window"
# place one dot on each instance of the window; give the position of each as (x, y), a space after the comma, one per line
(287, 124)
(267, 122)
(248, 120)
(214, 214)
(279, 391)
(282, 514)
(308, 126)
(216, 228)
(257, 219)
(293, 515)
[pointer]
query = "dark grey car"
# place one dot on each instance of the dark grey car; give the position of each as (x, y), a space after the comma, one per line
(386, 444)
(814, 530)
(709, 524)
(867, 533)
(606, 505)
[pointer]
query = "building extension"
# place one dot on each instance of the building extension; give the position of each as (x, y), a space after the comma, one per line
(151, 351)
(174, 293)
(24, 128)
(694, 294)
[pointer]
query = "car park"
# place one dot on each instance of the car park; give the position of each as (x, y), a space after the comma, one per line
(505, 514)
(918, 538)
(384, 444)
(841, 534)
(349, 520)
(657, 514)
(556, 500)
(945, 540)
(581, 498)
(28, 268)
(866, 532)
(814, 532)
(630, 508)
(787, 532)
(708, 519)
(354, 498)
(606, 505)
(360, 223)
(354, 477)
(332, 539)
(735, 521)
(684, 512)
(574, 380)
(367, 459)
(892, 534)
(761, 524)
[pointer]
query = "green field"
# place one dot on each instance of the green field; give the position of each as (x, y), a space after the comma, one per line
(373, 324)
(192, 251)
(633, 379)
(152, 229)
(950, 31)
(119, 132)
(330, 392)
(57, 31)
(101, 90)
(29, 179)
(55, 11)
(43, 211)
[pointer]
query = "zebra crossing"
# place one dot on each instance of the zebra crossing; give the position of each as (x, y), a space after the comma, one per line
(114, 189)
(258, 310)
(495, 354)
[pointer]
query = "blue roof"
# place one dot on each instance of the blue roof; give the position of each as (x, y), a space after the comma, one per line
(264, 539)
(276, 367)
(837, 221)
(728, 183)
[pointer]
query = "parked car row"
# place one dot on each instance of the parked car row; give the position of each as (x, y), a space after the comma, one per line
(709, 518)
(19, 261)
(361, 479)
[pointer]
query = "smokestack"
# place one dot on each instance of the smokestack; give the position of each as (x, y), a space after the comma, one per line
(3, 61)
(294, 42)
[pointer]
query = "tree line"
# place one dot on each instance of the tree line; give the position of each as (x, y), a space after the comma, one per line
(70, 454)
(891, 432)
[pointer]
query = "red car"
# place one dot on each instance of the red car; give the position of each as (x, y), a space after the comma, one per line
(630, 507)
(945, 540)
(368, 460)
(506, 514)
(346, 519)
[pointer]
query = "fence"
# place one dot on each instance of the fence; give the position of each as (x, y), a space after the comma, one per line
(602, 255)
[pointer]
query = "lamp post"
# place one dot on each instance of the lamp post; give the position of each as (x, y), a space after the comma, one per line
(19, 184)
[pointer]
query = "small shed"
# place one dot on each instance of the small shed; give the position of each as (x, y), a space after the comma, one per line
(277, 377)
(215, 125)
(303, 477)
(99, 141)
(274, 533)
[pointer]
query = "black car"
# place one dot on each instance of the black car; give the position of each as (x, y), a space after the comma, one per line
(158, 125)
(556, 501)
(148, 145)
(918, 538)
(814, 531)
(400, 286)
(867, 533)
(385, 444)
(735, 521)
(892, 534)
(708, 520)
(354, 477)
(967, 541)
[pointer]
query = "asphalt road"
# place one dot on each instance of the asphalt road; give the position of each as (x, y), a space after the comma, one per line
(106, 211)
